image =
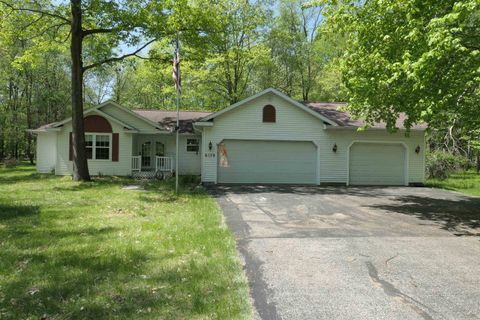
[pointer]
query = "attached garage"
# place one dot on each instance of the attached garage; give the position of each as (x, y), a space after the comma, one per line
(270, 138)
(275, 162)
(377, 164)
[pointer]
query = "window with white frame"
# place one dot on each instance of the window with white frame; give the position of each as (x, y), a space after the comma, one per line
(98, 146)
(193, 145)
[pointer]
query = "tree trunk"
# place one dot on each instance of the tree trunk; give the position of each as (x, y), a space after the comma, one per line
(80, 166)
(28, 94)
(478, 161)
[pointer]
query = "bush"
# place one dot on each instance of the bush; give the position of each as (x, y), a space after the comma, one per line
(440, 164)
(10, 163)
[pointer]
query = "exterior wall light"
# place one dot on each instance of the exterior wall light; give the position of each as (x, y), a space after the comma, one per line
(210, 146)
(334, 149)
(417, 150)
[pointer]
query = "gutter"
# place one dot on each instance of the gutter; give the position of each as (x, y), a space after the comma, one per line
(370, 129)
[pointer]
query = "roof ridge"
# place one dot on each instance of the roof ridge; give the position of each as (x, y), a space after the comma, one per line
(325, 102)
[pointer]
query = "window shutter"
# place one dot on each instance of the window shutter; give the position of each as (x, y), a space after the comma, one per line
(269, 114)
(115, 147)
(70, 148)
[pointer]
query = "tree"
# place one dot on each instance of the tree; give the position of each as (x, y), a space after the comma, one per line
(417, 57)
(292, 40)
(96, 28)
(235, 46)
(304, 59)
(32, 75)
(216, 71)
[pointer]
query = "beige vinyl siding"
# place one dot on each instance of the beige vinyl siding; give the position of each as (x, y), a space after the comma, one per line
(46, 151)
(127, 118)
(189, 162)
(294, 124)
(334, 166)
(245, 122)
(96, 167)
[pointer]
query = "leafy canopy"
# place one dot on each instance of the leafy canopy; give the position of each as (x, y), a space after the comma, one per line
(420, 57)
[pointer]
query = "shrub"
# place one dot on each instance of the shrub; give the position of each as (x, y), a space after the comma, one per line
(10, 163)
(440, 164)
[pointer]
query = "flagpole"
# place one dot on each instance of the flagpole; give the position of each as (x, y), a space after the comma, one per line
(177, 126)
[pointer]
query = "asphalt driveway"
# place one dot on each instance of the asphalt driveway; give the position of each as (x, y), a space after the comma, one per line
(357, 253)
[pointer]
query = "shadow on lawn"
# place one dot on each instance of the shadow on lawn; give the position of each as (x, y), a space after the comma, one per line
(8, 212)
(71, 277)
(55, 270)
(87, 284)
(461, 217)
(9, 179)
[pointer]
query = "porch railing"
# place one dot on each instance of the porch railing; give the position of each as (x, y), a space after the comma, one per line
(136, 163)
(163, 163)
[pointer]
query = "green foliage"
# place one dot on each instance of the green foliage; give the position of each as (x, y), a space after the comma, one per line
(94, 251)
(34, 77)
(440, 164)
(467, 182)
(247, 51)
(229, 50)
(304, 59)
(416, 57)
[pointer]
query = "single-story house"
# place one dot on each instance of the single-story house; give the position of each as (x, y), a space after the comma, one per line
(266, 138)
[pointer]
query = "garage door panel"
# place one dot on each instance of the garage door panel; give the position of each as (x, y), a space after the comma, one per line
(377, 164)
(269, 162)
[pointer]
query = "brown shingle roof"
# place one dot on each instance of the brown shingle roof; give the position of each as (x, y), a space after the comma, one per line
(343, 118)
(167, 119)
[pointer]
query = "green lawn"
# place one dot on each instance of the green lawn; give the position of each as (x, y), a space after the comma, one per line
(94, 251)
(466, 182)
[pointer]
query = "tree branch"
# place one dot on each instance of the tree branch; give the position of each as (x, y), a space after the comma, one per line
(95, 31)
(50, 14)
(116, 59)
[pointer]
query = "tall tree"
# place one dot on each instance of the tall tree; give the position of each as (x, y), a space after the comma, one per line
(234, 46)
(417, 57)
(32, 76)
(305, 58)
(96, 29)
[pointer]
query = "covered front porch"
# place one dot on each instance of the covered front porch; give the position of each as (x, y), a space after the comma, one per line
(154, 155)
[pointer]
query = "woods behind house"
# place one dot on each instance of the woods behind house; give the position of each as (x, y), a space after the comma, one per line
(383, 57)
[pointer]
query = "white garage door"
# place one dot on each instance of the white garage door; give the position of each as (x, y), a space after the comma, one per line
(377, 164)
(269, 162)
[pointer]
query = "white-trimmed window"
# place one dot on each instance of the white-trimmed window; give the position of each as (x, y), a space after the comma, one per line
(98, 146)
(193, 145)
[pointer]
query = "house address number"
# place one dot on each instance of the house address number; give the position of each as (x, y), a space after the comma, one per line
(209, 154)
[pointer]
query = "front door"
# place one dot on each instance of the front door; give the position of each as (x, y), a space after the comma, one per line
(149, 150)
(146, 154)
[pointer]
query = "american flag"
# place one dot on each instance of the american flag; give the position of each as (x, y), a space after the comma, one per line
(176, 67)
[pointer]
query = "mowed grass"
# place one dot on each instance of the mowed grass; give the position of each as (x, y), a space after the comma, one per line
(94, 251)
(467, 182)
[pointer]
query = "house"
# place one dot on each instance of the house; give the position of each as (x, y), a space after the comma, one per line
(266, 138)
(123, 142)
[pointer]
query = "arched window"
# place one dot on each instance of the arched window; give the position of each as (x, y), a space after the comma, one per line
(269, 114)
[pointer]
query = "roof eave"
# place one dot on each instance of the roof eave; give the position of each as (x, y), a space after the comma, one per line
(370, 128)
(277, 93)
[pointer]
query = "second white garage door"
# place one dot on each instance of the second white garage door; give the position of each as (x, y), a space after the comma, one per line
(377, 164)
(285, 162)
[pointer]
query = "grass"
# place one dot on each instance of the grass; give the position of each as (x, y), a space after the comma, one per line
(94, 251)
(467, 182)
